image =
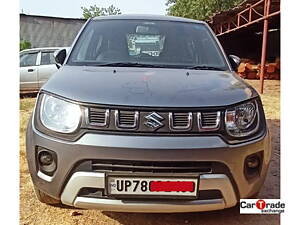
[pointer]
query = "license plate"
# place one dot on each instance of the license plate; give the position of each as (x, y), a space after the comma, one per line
(152, 186)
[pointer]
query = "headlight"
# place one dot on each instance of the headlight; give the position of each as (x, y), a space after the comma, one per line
(242, 120)
(59, 115)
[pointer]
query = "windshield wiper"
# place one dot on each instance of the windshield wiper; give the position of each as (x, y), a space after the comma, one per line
(205, 68)
(129, 64)
(137, 64)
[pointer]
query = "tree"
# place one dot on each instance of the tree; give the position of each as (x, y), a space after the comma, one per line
(94, 11)
(24, 45)
(199, 9)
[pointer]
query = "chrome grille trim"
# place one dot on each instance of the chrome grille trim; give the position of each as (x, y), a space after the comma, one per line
(119, 119)
(172, 121)
(212, 119)
(126, 125)
(98, 114)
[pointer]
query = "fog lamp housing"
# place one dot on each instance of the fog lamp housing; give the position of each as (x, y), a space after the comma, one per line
(253, 162)
(46, 161)
(252, 165)
(45, 158)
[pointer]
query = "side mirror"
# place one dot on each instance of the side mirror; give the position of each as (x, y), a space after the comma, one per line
(60, 56)
(234, 61)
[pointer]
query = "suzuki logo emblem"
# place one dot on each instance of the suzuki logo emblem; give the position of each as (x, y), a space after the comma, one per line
(154, 121)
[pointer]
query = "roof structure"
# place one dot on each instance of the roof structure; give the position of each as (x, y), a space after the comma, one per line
(247, 13)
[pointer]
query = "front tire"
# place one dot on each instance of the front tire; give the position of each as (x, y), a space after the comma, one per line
(44, 198)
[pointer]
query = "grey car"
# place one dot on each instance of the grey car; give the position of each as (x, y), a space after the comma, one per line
(147, 114)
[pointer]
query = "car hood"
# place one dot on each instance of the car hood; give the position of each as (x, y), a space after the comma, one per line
(149, 87)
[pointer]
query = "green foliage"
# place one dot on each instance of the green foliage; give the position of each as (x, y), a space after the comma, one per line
(199, 9)
(94, 11)
(24, 45)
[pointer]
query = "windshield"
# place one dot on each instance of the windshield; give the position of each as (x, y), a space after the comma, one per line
(147, 43)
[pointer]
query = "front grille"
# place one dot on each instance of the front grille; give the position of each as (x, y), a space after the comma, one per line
(98, 117)
(209, 120)
(126, 119)
(180, 121)
(149, 166)
(151, 121)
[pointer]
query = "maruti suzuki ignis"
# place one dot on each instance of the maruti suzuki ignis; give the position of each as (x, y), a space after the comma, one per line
(147, 114)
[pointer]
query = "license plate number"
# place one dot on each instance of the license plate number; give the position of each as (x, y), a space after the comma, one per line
(148, 186)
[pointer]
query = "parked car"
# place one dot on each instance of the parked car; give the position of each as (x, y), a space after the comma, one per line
(36, 67)
(147, 114)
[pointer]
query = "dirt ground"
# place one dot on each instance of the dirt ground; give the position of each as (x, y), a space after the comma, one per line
(34, 212)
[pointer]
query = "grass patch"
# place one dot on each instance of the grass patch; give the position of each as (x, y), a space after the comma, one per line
(26, 108)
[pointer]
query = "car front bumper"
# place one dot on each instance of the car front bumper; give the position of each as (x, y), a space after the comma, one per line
(66, 182)
(208, 182)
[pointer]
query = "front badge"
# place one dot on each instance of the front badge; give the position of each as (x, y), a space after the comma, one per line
(154, 121)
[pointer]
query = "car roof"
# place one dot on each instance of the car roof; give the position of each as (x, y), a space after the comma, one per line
(44, 48)
(147, 17)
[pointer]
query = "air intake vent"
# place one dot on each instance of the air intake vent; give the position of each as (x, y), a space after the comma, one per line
(180, 121)
(151, 166)
(126, 119)
(209, 121)
(98, 117)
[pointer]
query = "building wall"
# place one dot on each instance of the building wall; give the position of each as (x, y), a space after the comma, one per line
(42, 31)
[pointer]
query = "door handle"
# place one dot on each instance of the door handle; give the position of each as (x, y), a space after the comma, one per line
(30, 70)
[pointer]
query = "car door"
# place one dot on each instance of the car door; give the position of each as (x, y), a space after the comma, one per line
(46, 66)
(28, 71)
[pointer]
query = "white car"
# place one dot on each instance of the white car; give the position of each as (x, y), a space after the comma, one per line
(36, 67)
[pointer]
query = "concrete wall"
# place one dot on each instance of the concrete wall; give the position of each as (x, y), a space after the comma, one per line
(42, 31)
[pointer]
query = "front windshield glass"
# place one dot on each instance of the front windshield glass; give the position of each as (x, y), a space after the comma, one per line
(146, 42)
